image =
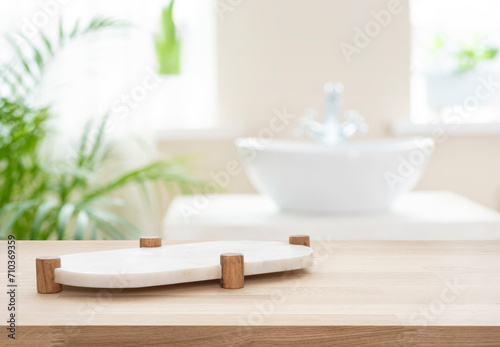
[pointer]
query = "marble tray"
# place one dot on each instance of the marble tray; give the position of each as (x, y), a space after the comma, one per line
(169, 264)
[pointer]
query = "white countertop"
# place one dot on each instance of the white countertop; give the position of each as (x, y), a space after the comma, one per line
(432, 215)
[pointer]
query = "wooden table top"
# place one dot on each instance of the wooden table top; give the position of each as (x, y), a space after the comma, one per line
(439, 293)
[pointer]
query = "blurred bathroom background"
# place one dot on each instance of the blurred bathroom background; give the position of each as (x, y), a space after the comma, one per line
(243, 63)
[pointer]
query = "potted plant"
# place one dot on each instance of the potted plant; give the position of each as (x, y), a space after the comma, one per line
(455, 71)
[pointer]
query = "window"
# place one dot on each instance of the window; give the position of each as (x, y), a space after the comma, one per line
(455, 61)
(116, 70)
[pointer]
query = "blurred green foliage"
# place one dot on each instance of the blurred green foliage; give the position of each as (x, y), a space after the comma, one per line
(42, 198)
(167, 44)
(470, 54)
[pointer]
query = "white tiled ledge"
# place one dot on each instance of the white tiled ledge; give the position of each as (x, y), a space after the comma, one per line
(216, 132)
(221, 132)
(422, 215)
(406, 127)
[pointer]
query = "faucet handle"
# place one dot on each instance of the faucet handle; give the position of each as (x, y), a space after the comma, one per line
(309, 125)
(355, 122)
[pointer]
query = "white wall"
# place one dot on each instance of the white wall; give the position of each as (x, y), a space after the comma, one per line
(279, 53)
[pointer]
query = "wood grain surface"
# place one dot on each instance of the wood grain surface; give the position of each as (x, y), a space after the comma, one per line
(232, 269)
(45, 267)
(358, 293)
(303, 240)
(150, 241)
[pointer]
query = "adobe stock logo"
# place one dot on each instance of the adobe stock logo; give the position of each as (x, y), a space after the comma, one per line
(371, 30)
(48, 9)
(225, 6)
(409, 164)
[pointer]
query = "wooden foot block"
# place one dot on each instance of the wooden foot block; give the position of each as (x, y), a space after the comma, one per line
(302, 240)
(150, 241)
(233, 276)
(45, 267)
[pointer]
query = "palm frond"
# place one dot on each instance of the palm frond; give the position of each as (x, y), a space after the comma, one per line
(10, 80)
(171, 171)
(18, 209)
(33, 55)
(96, 145)
(40, 216)
(82, 222)
(61, 32)
(37, 53)
(47, 43)
(99, 23)
(112, 224)
(23, 57)
(65, 214)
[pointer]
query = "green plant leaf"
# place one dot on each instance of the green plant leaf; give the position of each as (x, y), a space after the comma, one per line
(74, 32)
(92, 158)
(112, 225)
(12, 82)
(489, 53)
(40, 215)
(7, 208)
(93, 233)
(83, 144)
(24, 60)
(61, 32)
(65, 214)
(82, 222)
(99, 23)
(107, 231)
(167, 44)
(18, 208)
(47, 43)
(170, 171)
(37, 56)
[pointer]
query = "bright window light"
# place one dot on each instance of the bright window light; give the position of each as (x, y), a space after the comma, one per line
(455, 61)
(117, 71)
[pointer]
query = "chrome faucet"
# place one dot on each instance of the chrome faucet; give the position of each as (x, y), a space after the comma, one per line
(332, 132)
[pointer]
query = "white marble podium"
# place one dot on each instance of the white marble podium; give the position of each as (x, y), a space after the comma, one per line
(432, 215)
(171, 264)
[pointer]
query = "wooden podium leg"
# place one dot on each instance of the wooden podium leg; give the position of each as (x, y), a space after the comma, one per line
(302, 240)
(150, 241)
(45, 267)
(233, 276)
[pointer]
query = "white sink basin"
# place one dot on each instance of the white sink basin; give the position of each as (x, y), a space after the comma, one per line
(359, 177)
